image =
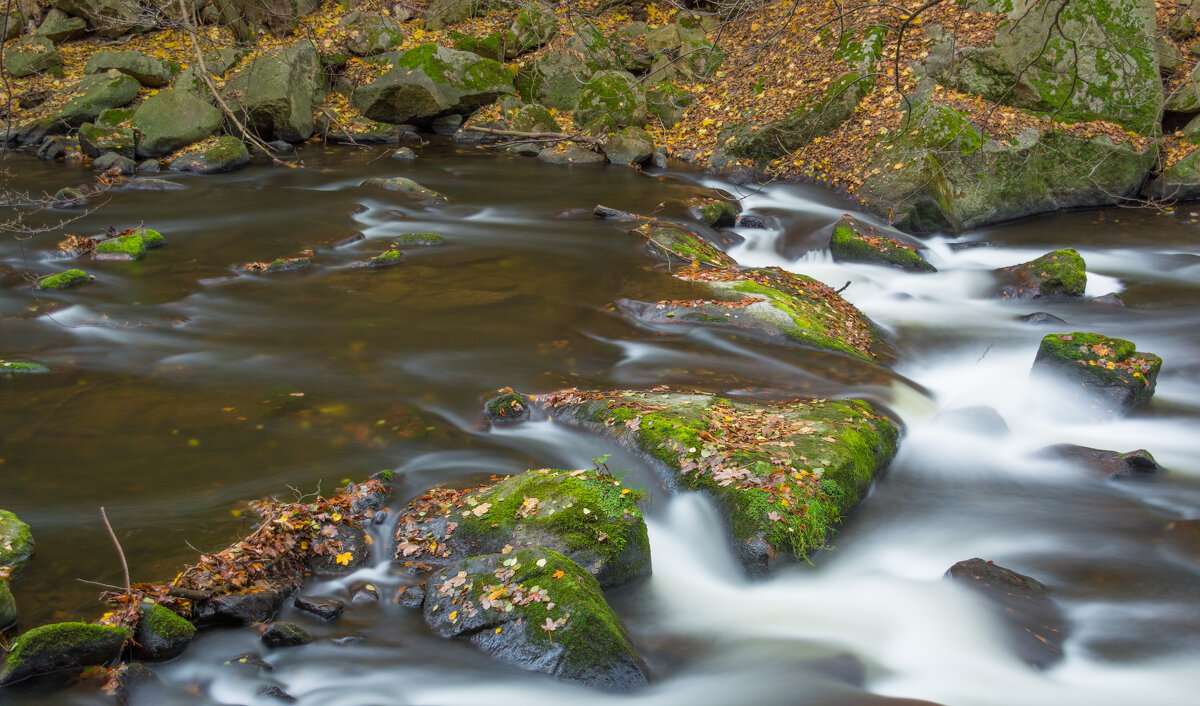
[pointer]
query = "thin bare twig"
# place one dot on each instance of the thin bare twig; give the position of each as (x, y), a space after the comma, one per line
(120, 552)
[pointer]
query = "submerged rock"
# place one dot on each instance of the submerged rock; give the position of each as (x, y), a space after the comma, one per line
(285, 635)
(61, 648)
(679, 245)
(409, 188)
(324, 608)
(570, 153)
(16, 540)
(783, 475)
(1036, 626)
(1041, 318)
(1110, 372)
(585, 515)
(1057, 273)
(854, 241)
(536, 610)
(768, 304)
(419, 239)
(387, 258)
(12, 367)
(1113, 464)
(508, 408)
(161, 634)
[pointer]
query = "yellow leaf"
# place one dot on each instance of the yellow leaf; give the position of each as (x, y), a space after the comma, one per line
(344, 558)
(558, 574)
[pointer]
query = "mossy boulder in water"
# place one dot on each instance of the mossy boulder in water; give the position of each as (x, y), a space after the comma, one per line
(275, 94)
(713, 213)
(130, 246)
(1109, 372)
(409, 239)
(93, 95)
(10, 367)
(768, 304)
(409, 188)
(387, 258)
(95, 140)
(1057, 273)
(149, 71)
(783, 475)
(854, 241)
(536, 610)
(633, 145)
(160, 634)
(678, 245)
(430, 81)
(70, 278)
(31, 55)
(585, 514)
(170, 120)
(59, 648)
(613, 98)
(223, 155)
(16, 541)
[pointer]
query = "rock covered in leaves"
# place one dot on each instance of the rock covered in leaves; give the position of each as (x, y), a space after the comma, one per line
(61, 648)
(225, 154)
(584, 514)
(769, 304)
(1057, 273)
(854, 241)
(536, 610)
(1036, 626)
(1108, 372)
(782, 474)
(16, 540)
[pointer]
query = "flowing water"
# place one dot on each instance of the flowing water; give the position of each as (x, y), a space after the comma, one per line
(181, 387)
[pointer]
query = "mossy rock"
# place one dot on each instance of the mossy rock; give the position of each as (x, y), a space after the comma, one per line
(151, 237)
(497, 46)
(160, 634)
(225, 155)
(281, 634)
(369, 35)
(408, 188)
(431, 81)
(115, 117)
(31, 55)
(275, 93)
(16, 541)
(60, 27)
(570, 154)
(535, 24)
(713, 213)
(509, 408)
(536, 610)
(1110, 372)
(70, 278)
(11, 26)
(614, 97)
(9, 367)
(668, 103)
(8, 606)
(149, 71)
(442, 13)
(633, 145)
(585, 514)
(411, 239)
(124, 247)
(678, 245)
(170, 120)
(854, 241)
(783, 475)
(1057, 273)
(768, 304)
(93, 95)
(61, 647)
(387, 258)
(533, 118)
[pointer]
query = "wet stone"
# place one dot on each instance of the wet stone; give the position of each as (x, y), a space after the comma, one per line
(324, 608)
(1041, 318)
(275, 692)
(362, 593)
(253, 660)
(279, 635)
(411, 596)
(1112, 300)
(1113, 464)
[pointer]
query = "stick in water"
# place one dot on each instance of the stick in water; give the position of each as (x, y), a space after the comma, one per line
(120, 552)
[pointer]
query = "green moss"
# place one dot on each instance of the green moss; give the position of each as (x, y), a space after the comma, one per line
(850, 244)
(1109, 361)
(420, 239)
(507, 405)
(165, 624)
(16, 540)
(712, 212)
(385, 476)
(387, 258)
(61, 646)
(19, 367)
(151, 237)
(70, 278)
(1062, 272)
(676, 243)
(613, 97)
(227, 149)
(131, 246)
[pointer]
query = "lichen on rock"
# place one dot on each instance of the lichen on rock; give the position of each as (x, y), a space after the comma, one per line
(854, 241)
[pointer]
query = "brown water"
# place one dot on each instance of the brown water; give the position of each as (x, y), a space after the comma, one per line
(181, 387)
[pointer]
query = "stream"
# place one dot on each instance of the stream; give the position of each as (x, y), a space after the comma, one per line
(181, 386)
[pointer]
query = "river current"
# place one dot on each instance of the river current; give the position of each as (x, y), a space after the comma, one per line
(181, 386)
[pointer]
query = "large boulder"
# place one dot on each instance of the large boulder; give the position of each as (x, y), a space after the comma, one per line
(170, 120)
(16, 541)
(556, 78)
(108, 18)
(768, 304)
(633, 145)
(536, 610)
(854, 241)
(1084, 60)
(59, 648)
(534, 25)
(1110, 373)
(368, 35)
(613, 99)
(274, 95)
(94, 94)
(30, 56)
(1035, 625)
(11, 26)
(944, 173)
(1180, 181)
(813, 117)
(1058, 273)
(443, 13)
(783, 475)
(224, 155)
(148, 70)
(58, 26)
(430, 81)
(585, 515)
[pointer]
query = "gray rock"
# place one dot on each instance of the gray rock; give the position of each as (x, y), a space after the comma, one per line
(572, 154)
(108, 18)
(368, 35)
(149, 166)
(276, 92)
(408, 188)
(111, 160)
(1112, 464)
(58, 27)
(160, 634)
(442, 13)
(31, 55)
(534, 25)
(633, 145)
(95, 140)
(95, 94)
(285, 635)
(53, 148)
(613, 98)
(148, 71)
(11, 26)
(1036, 627)
(172, 119)
(226, 155)
(430, 81)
